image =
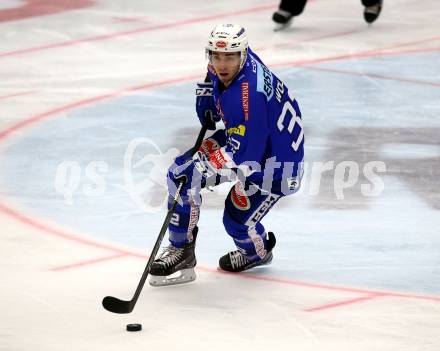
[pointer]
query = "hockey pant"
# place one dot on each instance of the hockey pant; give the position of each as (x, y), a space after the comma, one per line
(241, 218)
(295, 7)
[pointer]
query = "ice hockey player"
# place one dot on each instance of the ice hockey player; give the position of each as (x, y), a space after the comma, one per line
(291, 8)
(259, 150)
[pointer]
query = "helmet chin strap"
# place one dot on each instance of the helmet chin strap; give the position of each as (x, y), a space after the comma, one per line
(243, 59)
(242, 62)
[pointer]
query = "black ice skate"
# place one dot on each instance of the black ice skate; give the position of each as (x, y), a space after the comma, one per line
(175, 265)
(371, 13)
(235, 261)
(282, 18)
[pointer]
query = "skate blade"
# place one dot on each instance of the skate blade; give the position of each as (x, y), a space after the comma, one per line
(279, 27)
(179, 277)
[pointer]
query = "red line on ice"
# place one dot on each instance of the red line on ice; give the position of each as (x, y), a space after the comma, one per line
(51, 113)
(37, 118)
(56, 232)
(344, 303)
(369, 53)
(45, 228)
(17, 94)
(137, 31)
(76, 238)
(320, 37)
(379, 76)
(38, 8)
(140, 19)
(88, 262)
(293, 282)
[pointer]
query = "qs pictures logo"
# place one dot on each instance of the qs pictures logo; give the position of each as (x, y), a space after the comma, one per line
(145, 168)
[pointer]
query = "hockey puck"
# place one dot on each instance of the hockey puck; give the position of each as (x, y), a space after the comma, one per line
(134, 327)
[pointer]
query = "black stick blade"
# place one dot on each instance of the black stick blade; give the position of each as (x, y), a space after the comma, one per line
(115, 305)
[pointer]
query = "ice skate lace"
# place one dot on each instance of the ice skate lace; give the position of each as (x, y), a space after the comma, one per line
(238, 259)
(170, 255)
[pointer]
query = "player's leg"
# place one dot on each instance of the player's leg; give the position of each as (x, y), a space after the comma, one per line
(186, 213)
(287, 10)
(179, 255)
(242, 220)
(372, 9)
(294, 7)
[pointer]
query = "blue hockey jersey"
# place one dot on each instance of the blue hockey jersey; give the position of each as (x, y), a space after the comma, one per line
(263, 133)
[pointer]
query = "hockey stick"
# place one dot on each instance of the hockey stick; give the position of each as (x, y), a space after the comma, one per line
(116, 305)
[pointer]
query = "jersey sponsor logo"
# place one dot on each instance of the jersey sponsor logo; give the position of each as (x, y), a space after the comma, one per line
(262, 210)
(209, 146)
(193, 219)
(239, 130)
(220, 44)
(245, 99)
(239, 198)
(217, 159)
(264, 81)
(259, 245)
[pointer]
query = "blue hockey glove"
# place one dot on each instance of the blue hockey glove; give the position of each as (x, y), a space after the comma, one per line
(203, 165)
(183, 170)
(205, 105)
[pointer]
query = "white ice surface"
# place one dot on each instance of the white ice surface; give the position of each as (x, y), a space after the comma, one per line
(352, 273)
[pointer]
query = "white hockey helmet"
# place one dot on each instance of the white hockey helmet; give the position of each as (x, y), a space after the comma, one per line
(228, 38)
